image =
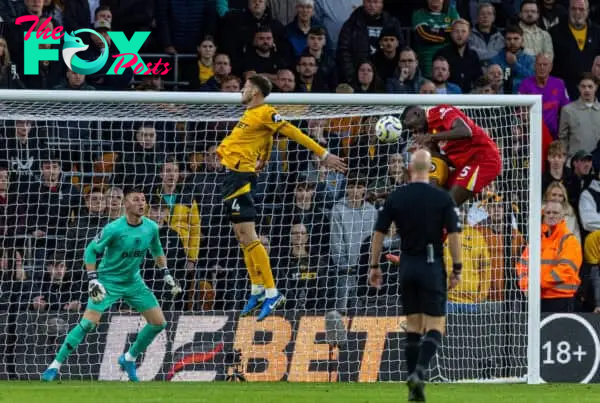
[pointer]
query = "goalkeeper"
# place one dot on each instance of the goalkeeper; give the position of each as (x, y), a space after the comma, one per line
(124, 244)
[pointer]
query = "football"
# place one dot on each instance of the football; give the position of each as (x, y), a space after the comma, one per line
(388, 129)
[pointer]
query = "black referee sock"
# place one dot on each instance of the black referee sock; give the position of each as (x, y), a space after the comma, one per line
(431, 341)
(411, 350)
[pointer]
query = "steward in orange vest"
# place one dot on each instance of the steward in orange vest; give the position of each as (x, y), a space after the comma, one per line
(561, 259)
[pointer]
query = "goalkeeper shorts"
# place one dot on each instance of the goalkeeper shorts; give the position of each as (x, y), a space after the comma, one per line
(237, 196)
(137, 295)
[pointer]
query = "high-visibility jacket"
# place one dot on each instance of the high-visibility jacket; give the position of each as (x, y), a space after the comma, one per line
(561, 259)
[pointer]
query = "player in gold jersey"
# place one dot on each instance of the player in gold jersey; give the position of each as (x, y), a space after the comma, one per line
(244, 152)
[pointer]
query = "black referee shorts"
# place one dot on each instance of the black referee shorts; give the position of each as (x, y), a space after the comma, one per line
(423, 286)
(237, 196)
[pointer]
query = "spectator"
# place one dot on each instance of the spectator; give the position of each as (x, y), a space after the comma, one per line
(231, 84)
(485, 39)
(316, 41)
(297, 30)
(86, 226)
(596, 71)
(238, 28)
(140, 166)
(428, 87)
(60, 287)
(441, 73)
(558, 192)
(102, 80)
(151, 82)
(329, 184)
(74, 82)
(387, 57)
(396, 176)
(262, 58)
(15, 294)
(181, 25)
(206, 55)
(54, 9)
(306, 210)
(50, 203)
(477, 274)
(495, 76)
(16, 33)
(557, 170)
(367, 79)
(302, 272)
(581, 167)
(561, 260)
(176, 259)
(333, 14)
(114, 202)
(352, 220)
(552, 89)
(22, 152)
(184, 212)
(407, 78)
(580, 120)
(465, 66)
(309, 79)
(282, 10)
(535, 39)
(359, 37)
(551, 14)
(206, 183)
(8, 74)
(222, 68)
(516, 64)
(12, 224)
(131, 16)
(483, 86)
(432, 27)
(78, 14)
(286, 80)
(577, 43)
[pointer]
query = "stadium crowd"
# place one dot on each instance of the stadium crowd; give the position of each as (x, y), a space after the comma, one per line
(62, 180)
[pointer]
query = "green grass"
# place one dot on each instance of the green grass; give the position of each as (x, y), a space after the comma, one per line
(183, 392)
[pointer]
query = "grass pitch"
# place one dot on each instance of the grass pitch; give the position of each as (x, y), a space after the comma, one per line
(282, 392)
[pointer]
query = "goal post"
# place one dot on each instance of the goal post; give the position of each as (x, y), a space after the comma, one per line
(296, 343)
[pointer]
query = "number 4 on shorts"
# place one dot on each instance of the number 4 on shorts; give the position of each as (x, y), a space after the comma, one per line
(235, 206)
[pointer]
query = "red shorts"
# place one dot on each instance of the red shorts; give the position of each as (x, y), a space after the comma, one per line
(478, 172)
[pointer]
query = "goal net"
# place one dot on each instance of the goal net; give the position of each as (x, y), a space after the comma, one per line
(66, 158)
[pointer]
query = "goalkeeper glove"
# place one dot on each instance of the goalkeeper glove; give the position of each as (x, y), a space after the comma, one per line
(96, 290)
(170, 281)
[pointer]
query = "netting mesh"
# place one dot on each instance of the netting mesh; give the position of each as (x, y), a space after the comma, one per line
(66, 165)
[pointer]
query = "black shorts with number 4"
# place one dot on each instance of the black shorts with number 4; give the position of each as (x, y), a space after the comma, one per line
(423, 286)
(237, 196)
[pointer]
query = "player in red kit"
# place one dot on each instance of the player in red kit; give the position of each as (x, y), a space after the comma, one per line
(473, 153)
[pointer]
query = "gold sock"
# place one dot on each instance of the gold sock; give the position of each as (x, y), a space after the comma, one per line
(259, 256)
(255, 277)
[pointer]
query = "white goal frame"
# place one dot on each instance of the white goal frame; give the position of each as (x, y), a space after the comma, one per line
(533, 102)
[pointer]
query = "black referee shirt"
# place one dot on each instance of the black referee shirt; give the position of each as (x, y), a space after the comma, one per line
(421, 212)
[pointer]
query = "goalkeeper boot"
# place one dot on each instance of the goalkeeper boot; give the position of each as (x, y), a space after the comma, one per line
(269, 305)
(49, 374)
(129, 367)
(416, 388)
(254, 302)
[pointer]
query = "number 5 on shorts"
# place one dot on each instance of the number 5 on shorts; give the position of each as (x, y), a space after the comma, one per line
(465, 172)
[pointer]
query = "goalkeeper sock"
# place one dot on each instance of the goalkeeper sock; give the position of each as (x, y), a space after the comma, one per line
(145, 338)
(74, 338)
(411, 351)
(431, 341)
(255, 277)
(260, 257)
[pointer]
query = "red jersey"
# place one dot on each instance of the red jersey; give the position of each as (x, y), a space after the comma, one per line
(441, 118)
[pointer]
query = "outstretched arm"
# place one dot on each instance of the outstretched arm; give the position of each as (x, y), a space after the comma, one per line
(330, 160)
(459, 130)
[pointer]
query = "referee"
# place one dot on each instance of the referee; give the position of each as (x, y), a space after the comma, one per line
(421, 212)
